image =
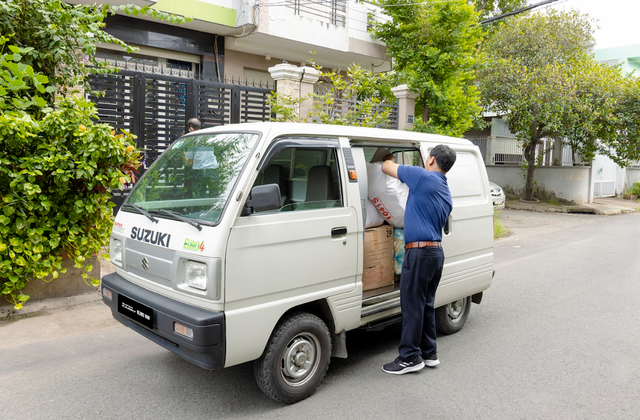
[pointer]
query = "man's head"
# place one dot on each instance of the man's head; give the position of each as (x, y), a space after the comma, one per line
(441, 158)
(194, 124)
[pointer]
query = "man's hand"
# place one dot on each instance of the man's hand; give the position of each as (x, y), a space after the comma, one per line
(389, 166)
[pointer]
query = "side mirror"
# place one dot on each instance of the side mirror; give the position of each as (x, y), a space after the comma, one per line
(263, 198)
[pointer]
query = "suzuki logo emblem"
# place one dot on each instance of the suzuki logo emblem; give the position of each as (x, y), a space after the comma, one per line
(145, 263)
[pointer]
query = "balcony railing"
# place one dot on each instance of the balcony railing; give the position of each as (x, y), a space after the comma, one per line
(333, 12)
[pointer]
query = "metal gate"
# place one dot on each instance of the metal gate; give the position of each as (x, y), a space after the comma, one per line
(156, 107)
(604, 177)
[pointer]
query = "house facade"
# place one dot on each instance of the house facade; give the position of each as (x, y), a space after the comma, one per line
(561, 172)
(628, 58)
(216, 67)
(242, 39)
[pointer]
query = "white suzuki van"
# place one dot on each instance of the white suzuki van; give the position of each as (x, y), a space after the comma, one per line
(246, 242)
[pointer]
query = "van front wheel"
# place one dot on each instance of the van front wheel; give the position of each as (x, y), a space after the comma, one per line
(450, 318)
(296, 358)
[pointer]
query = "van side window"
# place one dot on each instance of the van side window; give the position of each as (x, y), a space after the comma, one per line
(409, 157)
(308, 178)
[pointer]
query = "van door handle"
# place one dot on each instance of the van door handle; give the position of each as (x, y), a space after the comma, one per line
(339, 231)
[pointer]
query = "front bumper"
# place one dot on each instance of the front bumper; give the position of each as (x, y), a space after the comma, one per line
(498, 202)
(207, 347)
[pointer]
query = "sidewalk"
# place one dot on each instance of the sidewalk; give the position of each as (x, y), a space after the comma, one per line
(40, 307)
(609, 206)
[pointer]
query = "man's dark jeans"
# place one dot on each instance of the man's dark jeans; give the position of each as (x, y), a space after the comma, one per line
(421, 272)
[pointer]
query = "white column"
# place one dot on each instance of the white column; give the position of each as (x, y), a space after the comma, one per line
(296, 83)
(590, 190)
(557, 152)
(488, 152)
(309, 78)
(406, 106)
(288, 78)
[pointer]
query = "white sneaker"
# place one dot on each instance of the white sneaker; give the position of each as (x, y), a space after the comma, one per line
(432, 361)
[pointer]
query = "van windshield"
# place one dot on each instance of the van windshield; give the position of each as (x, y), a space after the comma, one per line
(195, 176)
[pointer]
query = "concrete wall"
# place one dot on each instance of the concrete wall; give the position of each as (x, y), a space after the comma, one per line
(69, 284)
(235, 62)
(568, 182)
(282, 32)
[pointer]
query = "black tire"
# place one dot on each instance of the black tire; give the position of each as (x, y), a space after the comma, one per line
(296, 358)
(451, 318)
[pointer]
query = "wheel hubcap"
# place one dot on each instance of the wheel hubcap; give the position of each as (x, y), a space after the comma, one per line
(456, 309)
(300, 359)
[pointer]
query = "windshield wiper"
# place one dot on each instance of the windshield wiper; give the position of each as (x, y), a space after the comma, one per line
(177, 216)
(141, 210)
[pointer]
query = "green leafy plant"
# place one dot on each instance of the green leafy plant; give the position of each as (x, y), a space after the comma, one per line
(632, 191)
(434, 46)
(64, 37)
(499, 230)
(56, 174)
(57, 164)
(539, 75)
(356, 97)
(285, 108)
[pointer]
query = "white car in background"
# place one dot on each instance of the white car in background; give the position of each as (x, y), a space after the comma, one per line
(497, 195)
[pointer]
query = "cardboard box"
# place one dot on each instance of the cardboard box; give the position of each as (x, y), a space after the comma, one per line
(378, 257)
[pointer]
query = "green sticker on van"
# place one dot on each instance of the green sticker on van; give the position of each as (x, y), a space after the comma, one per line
(193, 245)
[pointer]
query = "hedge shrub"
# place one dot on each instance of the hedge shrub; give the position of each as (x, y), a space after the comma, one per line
(57, 169)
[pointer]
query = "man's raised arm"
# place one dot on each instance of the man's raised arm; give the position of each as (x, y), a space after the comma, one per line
(389, 166)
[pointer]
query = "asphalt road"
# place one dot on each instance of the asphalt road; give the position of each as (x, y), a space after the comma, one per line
(556, 337)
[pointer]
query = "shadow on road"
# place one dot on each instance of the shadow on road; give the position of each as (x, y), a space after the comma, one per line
(233, 390)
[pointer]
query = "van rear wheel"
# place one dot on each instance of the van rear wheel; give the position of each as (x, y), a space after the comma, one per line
(451, 318)
(296, 358)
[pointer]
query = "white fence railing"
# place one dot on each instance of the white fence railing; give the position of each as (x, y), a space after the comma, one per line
(499, 150)
(332, 12)
(342, 107)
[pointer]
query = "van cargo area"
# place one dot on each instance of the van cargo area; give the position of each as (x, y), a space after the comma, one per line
(378, 258)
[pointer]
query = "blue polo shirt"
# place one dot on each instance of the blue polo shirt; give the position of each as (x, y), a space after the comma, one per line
(428, 205)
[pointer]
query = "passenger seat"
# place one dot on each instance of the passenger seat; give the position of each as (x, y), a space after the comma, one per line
(274, 174)
(319, 188)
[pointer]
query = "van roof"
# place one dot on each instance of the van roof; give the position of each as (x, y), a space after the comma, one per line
(275, 129)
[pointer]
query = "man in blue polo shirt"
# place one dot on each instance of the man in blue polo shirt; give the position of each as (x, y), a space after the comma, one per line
(428, 208)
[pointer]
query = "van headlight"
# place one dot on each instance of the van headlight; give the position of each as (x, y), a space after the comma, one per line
(116, 252)
(200, 277)
(196, 275)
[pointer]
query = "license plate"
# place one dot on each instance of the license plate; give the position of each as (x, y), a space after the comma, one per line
(136, 311)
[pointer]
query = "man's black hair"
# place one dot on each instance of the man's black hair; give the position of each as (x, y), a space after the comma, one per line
(195, 123)
(445, 156)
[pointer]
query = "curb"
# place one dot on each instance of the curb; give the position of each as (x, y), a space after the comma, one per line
(537, 208)
(41, 307)
(576, 209)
